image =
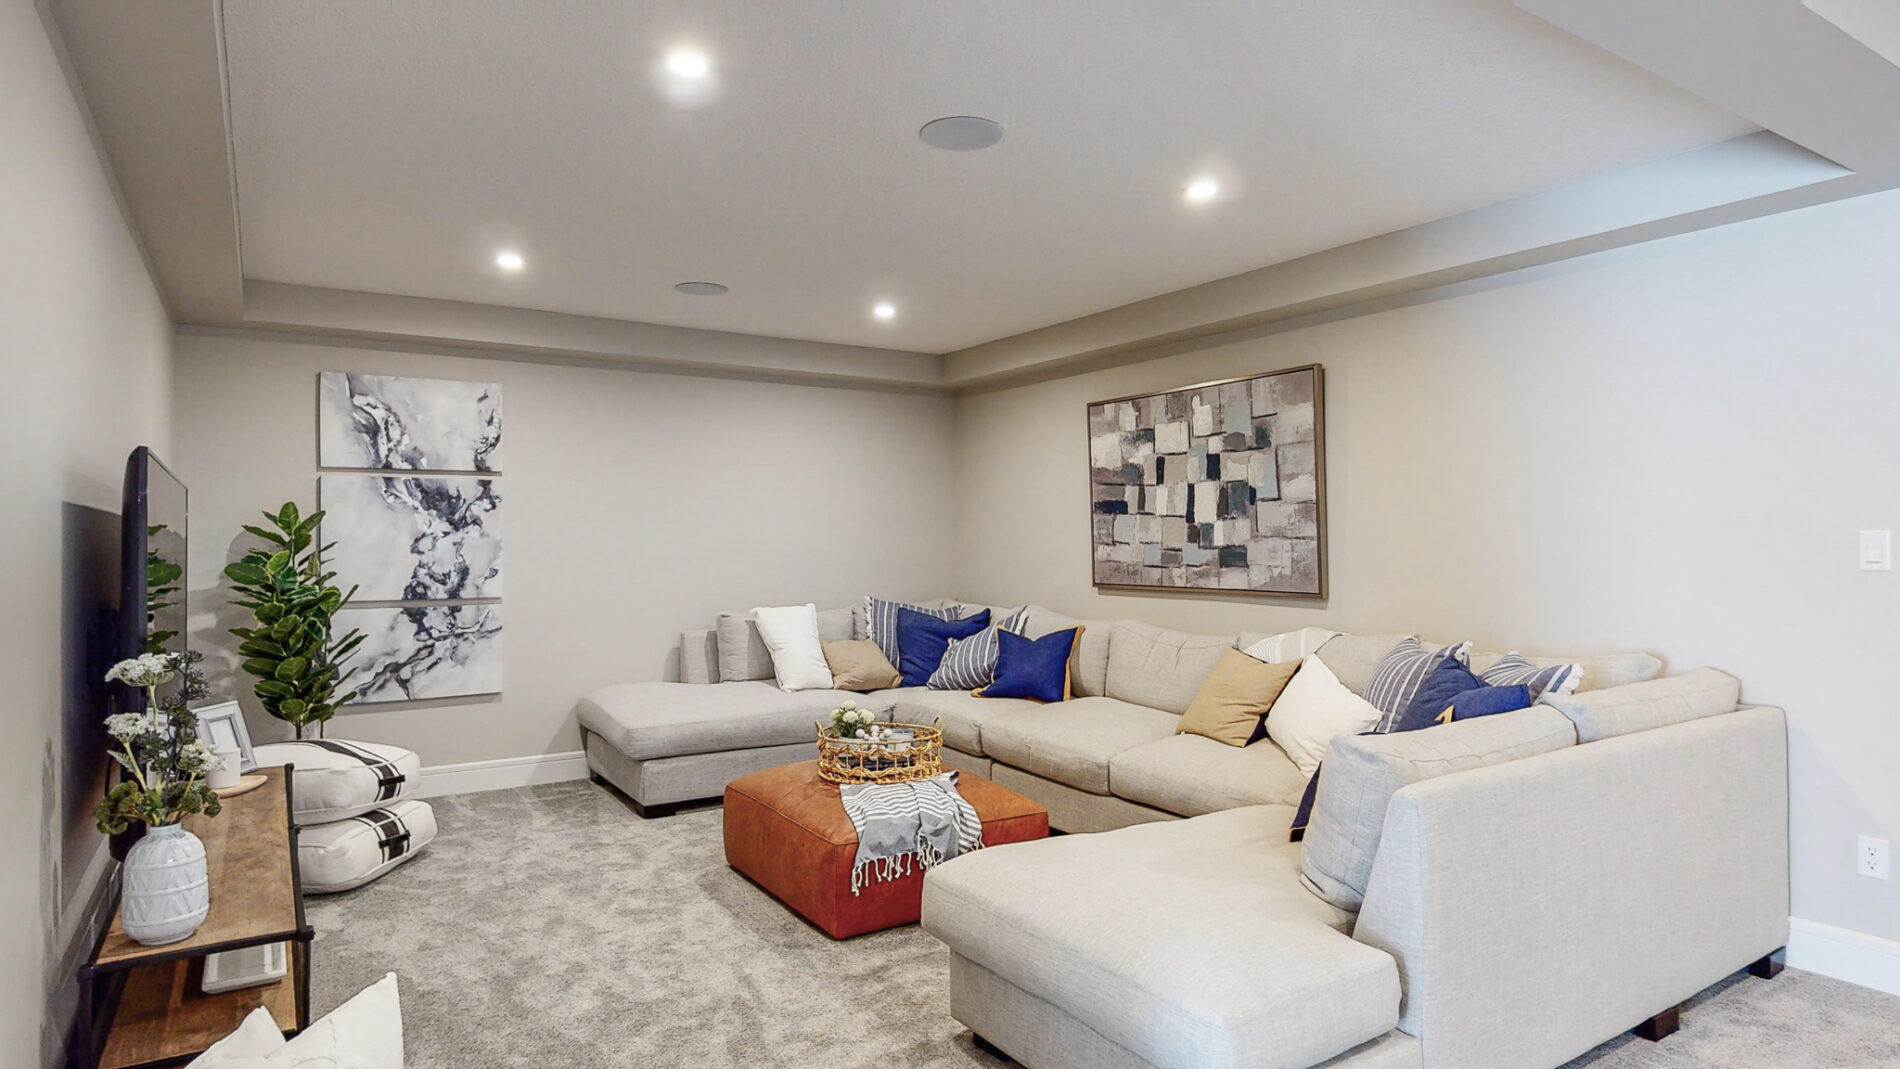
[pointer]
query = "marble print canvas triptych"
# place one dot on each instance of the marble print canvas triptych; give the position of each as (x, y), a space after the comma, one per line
(416, 519)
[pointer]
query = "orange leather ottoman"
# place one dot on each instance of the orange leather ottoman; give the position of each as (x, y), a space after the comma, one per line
(788, 832)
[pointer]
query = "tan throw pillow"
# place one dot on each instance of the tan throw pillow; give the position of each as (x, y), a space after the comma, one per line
(858, 664)
(1239, 691)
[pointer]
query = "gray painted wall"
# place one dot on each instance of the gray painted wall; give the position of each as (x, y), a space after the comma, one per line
(1668, 448)
(86, 347)
(635, 504)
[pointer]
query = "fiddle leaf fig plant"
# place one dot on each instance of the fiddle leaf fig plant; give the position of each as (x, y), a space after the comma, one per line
(293, 651)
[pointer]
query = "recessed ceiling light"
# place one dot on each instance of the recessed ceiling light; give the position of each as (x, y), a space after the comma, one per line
(700, 289)
(688, 63)
(884, 310)
(961, 133)
(1201, 190)
(509, 260)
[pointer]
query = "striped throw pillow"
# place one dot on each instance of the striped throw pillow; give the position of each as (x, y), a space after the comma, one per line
(882, 617)
(970, 663)
(1516, 670)
(1401, 672)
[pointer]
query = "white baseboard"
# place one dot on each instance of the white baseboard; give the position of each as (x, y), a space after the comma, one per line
(1867, 960)
(499, 774)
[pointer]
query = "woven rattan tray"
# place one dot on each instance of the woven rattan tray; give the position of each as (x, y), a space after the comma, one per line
(880, 760)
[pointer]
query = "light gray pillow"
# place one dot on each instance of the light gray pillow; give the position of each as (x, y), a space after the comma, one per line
(1159, 668)
(742, 653)
(1654, 703)
(1363, 772)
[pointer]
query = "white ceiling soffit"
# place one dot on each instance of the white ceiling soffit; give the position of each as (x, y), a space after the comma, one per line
(393, 148)
(1874, 23)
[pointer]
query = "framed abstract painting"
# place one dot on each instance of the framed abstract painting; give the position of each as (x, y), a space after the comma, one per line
(1219, 486)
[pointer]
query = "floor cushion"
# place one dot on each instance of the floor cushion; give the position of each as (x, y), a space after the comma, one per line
(650, 720)
(350, 853)
(1192, 775)
(1188, 943)
(335, 778)
(1072, 742)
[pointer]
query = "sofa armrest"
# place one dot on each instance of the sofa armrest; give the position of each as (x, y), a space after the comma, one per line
(1540, 907)
(699, 656)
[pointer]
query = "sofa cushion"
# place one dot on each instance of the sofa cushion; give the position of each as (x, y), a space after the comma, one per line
(960, 714)
(1159, 668)
(1599, 673)
(649, 720)
(1192, 775)
(1235, 698)
(1073, 742)
(1189, 943)
(1352, 658)
(742, 653)
(1089, 667)
(1656, 703)
(1363, 772)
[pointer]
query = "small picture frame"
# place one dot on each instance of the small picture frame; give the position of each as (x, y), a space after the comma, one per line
(221, 726)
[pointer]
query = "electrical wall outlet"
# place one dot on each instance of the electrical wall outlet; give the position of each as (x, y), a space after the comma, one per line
(1871, 858)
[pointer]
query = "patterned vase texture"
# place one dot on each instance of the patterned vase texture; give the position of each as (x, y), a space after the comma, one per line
(167, 893)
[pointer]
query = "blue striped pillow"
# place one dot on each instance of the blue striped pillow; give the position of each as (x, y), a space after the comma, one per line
(970, 663)
(1401, 672)
(1516, 670)
(882, 617)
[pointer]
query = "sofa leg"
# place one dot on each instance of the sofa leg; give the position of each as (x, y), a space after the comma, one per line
(1769, 966)
(1663, 1024)
(991, 1049)
(654, 812)
(596, 778)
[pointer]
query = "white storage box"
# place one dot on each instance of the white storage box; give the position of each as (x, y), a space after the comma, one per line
(352, 852)
(336, 779)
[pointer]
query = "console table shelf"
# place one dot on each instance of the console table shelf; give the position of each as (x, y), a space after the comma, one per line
(145, 1005)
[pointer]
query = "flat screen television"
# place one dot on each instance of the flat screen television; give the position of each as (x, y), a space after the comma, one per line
(154, 535)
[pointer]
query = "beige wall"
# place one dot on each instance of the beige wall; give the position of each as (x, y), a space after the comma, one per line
(1669, 448)
(635, 505)
(86, 351)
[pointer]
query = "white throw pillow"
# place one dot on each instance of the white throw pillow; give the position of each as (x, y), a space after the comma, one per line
(790, 634)
(363, 1033)
(1313, 709)
(256, 1038)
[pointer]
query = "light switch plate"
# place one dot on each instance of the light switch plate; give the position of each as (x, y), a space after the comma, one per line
(1876, 551)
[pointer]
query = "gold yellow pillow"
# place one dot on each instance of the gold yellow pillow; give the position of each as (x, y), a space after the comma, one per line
(859, 665)
(1237, 694)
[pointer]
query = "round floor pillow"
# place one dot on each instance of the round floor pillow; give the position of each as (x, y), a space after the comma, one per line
(335, 779)
(349, 853)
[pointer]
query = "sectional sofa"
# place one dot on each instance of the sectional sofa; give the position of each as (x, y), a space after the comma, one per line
(1500, 893)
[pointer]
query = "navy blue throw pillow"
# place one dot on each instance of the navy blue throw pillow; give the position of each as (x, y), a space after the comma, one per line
(922, 640)
(1488, 700)
(1304, 814)
(1445, 681)
(1037, 669)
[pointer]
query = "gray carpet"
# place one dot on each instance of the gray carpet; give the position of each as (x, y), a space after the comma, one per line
(552, 927)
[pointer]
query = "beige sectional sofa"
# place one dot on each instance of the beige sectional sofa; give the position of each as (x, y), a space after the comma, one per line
(1500, 893)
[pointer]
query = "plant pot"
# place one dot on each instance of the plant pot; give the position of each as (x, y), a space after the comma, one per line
(167, 893)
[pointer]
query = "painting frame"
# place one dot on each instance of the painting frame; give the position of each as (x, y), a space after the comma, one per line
(1319, 588)
(224, 723)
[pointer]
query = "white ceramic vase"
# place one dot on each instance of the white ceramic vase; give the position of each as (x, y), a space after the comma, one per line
(167, 893)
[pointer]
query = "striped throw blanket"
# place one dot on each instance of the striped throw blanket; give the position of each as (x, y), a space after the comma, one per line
(903, 824)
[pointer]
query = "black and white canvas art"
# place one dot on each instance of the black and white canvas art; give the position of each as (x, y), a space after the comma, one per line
(414, 538)
(1220, 486)
(393, 423)
(411, 652)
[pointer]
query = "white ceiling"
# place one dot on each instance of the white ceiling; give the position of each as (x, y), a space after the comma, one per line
(393, 148)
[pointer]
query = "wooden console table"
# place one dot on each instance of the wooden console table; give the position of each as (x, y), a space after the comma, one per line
(143, 1007)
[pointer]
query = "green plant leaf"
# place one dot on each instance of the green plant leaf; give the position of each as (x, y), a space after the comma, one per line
(270, 688)
(269, 536)
(246, 572)
(278, 562)
(286, 517)
(294, 708)
(260, 667)
(292, 669)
